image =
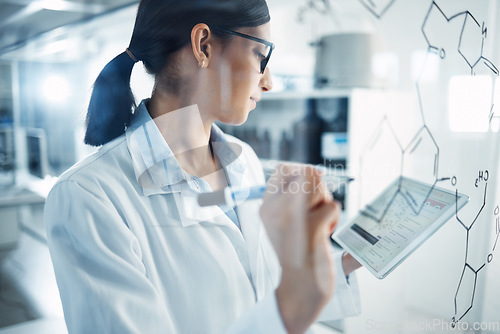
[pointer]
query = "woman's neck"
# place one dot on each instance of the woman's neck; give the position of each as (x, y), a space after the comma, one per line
(186, 130)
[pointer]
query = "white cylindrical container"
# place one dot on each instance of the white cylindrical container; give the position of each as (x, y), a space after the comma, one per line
(344, 60)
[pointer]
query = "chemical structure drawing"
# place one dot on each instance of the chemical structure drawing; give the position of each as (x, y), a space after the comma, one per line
(471, 37)
(384, 159)
(482, 177)
(466, 289)
(377, 7)
(421, 156)
(469, 43)
(458, 38)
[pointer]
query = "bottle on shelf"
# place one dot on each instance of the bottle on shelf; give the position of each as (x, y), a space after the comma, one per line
(265, 146)
(307, 136)
(285, 147)
(334, 145)
(254, 140)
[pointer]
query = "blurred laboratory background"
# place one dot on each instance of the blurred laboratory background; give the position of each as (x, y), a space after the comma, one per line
(372, 89)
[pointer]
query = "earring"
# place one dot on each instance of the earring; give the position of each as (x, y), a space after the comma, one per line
(202, 65)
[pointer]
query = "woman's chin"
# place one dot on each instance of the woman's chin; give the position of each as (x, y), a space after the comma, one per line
(236, 119)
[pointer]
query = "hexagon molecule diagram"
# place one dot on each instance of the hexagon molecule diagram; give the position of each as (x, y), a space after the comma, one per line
(464, 297)
(471, 42)
(473, 262)
(380, 165)
(439, 34)
(471, 45)
(377, 7)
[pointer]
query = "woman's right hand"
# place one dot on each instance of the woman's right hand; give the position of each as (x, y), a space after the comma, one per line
(299, 214)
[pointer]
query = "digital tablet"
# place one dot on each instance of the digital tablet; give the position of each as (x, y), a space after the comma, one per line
(396, 223)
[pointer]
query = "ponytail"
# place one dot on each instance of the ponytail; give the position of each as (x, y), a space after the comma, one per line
(161, 28)
(111, 103)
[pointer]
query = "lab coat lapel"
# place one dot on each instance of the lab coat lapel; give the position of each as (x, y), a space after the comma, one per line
(251, 228)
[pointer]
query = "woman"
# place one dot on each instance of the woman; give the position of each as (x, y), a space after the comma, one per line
(132, 250)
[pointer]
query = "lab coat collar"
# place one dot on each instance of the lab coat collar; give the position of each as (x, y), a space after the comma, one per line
(156, 168)
(151, 156)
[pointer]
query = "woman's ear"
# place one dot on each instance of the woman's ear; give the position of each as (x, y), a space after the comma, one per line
(201, 39)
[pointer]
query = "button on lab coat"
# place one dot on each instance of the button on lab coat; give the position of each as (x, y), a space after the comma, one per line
(134, 253)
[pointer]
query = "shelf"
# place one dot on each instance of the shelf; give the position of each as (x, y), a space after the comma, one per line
(323, 93)
(14, 197)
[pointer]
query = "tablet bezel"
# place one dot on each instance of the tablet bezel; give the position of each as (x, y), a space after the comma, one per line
(417, 242)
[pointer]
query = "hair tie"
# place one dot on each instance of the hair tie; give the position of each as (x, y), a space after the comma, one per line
(131, 55)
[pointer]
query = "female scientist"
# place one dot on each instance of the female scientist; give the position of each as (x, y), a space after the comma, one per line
(132, 250)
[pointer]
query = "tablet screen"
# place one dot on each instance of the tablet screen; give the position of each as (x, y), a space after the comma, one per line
(396, 222)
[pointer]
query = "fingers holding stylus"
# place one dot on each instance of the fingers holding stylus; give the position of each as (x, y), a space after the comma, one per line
(298, 212)
(300, 182)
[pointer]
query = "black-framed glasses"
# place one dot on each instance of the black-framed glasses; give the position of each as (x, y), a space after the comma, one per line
(266, 54)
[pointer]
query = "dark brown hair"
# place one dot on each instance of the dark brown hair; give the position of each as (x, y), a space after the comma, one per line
(161, 28)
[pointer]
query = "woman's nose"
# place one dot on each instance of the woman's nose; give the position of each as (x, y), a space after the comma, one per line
(266, 82)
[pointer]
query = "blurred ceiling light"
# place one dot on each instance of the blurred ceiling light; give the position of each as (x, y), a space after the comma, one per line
(55, 47)
(56, 89)
(33, 7)
(68, 6)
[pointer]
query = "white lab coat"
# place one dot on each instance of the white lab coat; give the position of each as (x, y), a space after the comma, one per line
(134, 253)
